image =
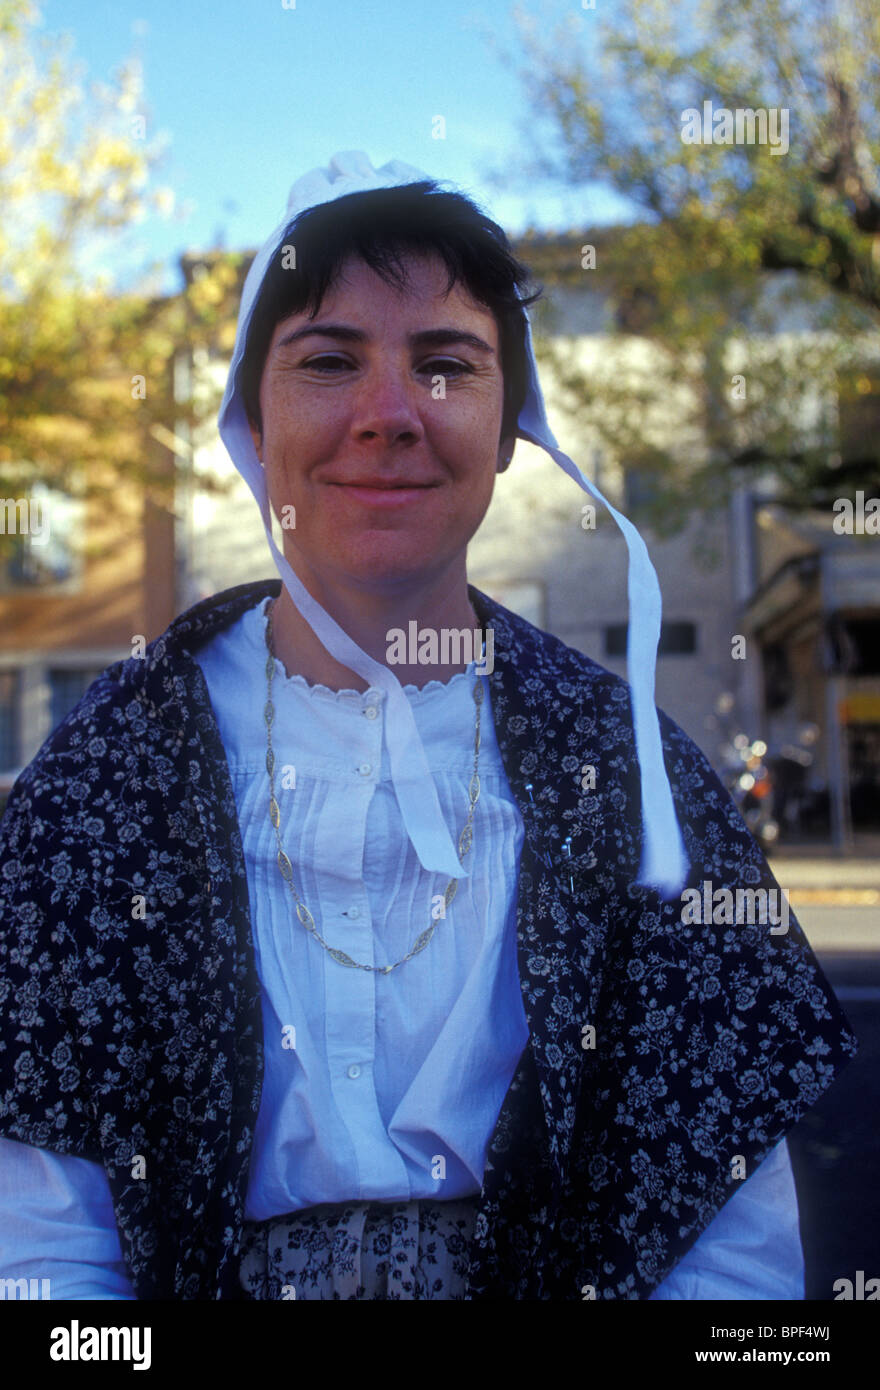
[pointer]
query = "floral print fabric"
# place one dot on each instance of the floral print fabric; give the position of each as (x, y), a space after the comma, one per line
(132, 1031)
(417, 1250)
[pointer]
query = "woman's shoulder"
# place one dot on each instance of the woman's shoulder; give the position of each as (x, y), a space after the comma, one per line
(539, 653)
(546, 673)
(142, 708)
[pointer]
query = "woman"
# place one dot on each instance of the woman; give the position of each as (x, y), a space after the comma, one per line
(326, 974)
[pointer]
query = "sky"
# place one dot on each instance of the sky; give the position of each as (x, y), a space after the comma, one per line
(250, 94)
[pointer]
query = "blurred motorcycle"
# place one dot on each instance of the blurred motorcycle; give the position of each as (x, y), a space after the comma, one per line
(773, 791)
(747, 776)
(749, 782)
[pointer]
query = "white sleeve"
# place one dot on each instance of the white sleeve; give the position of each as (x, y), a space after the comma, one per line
(57, 1223)
(752, 1249)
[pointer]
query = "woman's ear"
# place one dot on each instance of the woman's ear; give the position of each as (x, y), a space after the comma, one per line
(505, 452)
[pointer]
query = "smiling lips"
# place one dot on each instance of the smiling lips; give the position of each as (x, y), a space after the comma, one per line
(384, 492)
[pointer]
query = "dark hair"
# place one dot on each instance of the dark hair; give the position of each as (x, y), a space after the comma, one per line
(378, 225)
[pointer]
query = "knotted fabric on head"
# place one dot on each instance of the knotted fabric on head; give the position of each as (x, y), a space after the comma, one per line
(664, 865)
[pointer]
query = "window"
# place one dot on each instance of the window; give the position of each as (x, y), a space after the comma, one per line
(68, 685)
(676, 639)
(38, 533)
(641, 489)
(9, 688)
(864, 636)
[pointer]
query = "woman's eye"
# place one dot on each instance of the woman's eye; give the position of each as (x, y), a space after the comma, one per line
(322, 362)
(446, 366)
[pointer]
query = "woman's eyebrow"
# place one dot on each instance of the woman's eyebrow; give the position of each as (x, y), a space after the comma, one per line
(427, 337)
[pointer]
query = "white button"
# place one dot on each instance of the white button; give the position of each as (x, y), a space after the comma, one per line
(371, 712)
(365, 769)
(354, 1071)
(354, 912)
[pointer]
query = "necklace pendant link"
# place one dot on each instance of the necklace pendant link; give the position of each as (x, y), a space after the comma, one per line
(341, 957)
(285, 866)
(422, 941)
(274, 813)
(305, 917)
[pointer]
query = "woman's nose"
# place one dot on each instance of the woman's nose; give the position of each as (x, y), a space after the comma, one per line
(387, 402)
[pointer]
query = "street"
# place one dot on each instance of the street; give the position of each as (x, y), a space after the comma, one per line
(835, 1150)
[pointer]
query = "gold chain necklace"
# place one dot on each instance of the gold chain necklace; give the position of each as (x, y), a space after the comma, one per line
(465, 839)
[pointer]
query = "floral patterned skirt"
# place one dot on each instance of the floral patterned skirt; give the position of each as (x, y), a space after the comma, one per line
(370, 1250)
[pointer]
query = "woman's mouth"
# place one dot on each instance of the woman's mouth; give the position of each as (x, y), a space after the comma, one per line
(385, 494)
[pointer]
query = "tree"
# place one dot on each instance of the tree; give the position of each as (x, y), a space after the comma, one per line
(85, 366)
(699, 273)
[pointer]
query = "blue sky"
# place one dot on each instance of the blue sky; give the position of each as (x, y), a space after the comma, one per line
(250, 95)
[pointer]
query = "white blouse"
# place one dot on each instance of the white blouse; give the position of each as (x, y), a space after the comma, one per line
(394, 1084)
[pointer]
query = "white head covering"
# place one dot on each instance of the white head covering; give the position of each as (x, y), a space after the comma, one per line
(664, 865)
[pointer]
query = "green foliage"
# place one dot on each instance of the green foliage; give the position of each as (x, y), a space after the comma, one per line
(76, 173)
(698, 273)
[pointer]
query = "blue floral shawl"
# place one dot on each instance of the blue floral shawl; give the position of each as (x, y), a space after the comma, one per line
(142, 1035)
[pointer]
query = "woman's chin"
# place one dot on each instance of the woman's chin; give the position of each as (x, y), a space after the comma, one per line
(388, 561)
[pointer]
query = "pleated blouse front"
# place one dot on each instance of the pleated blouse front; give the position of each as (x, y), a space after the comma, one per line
(376, 1087)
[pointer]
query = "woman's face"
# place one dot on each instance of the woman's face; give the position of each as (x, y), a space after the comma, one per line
(381, 422)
